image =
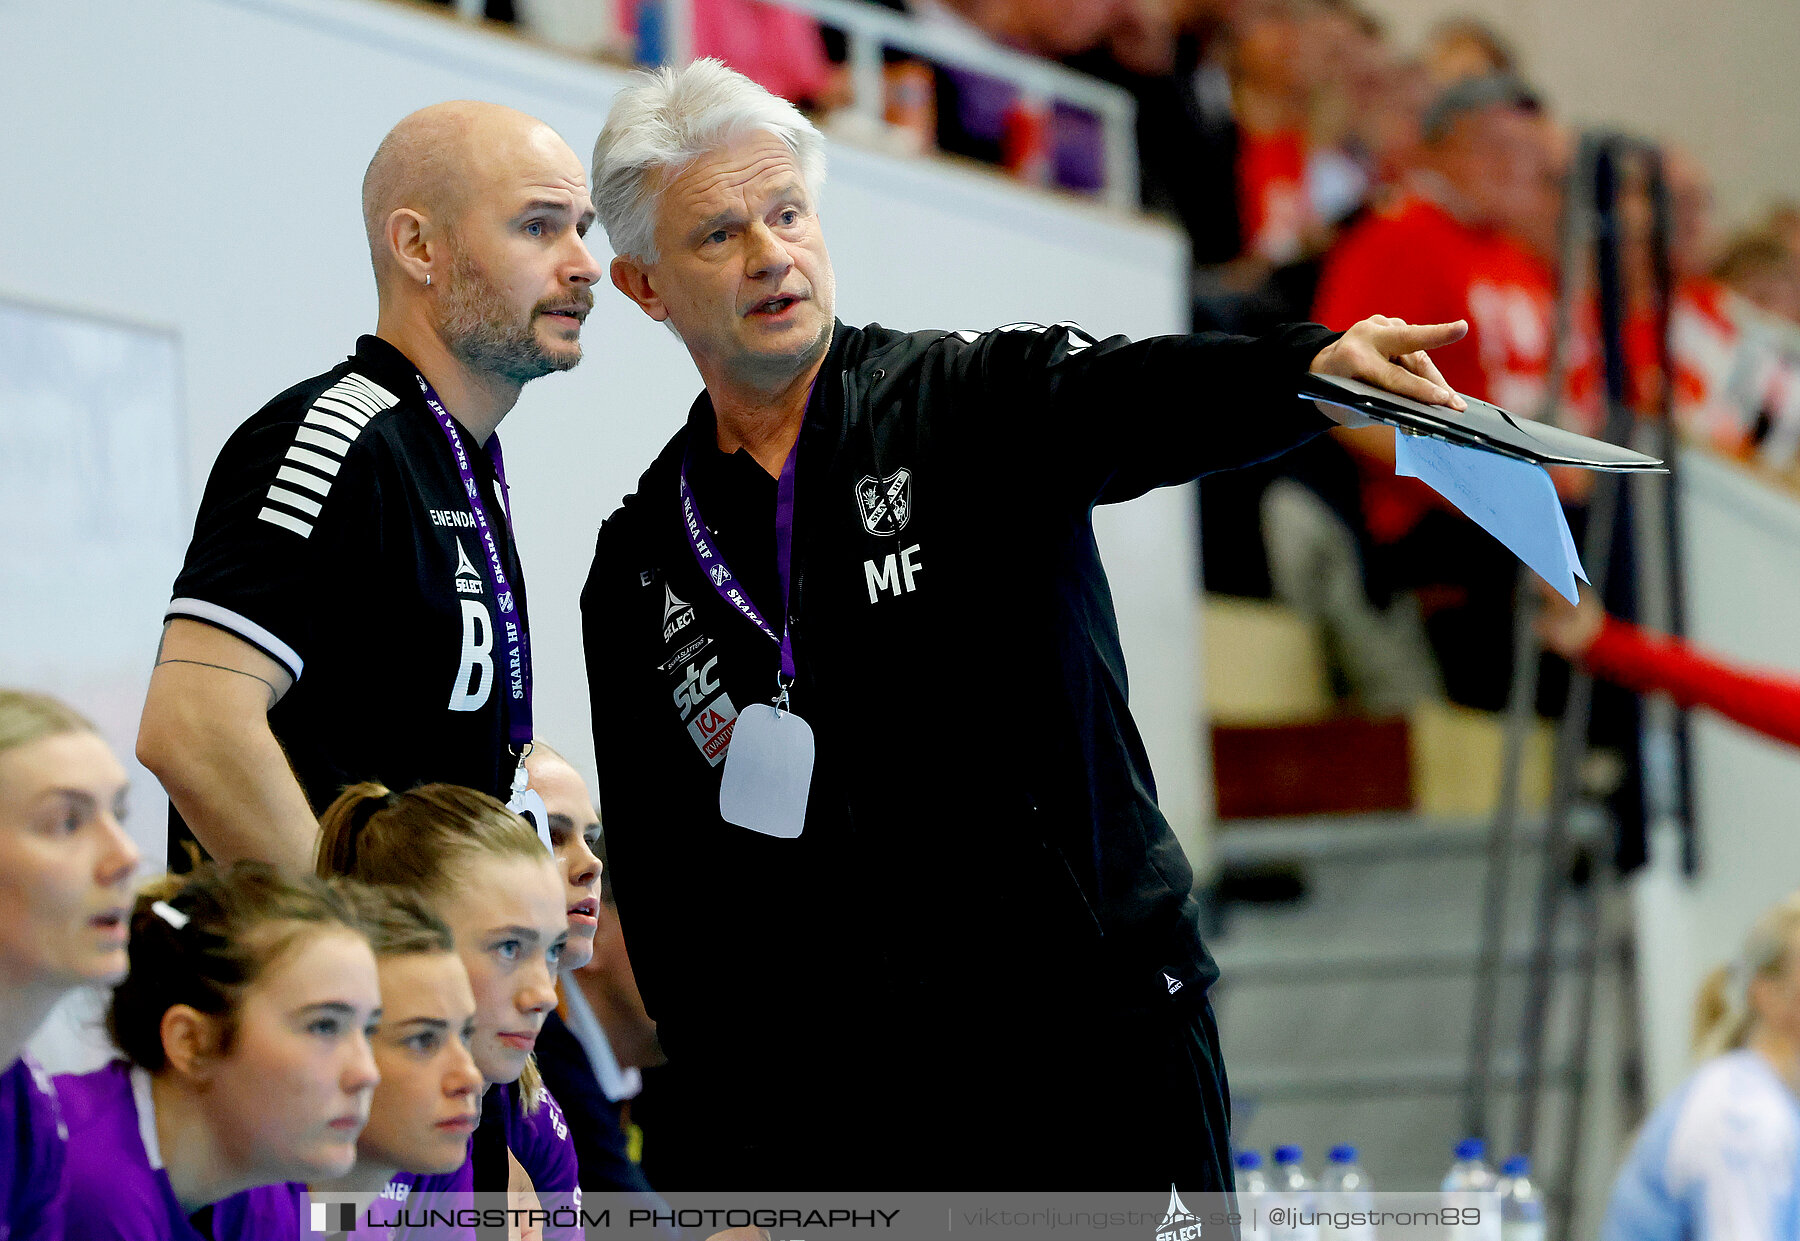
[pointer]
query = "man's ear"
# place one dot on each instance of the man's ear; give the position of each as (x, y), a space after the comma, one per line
(410, 242)
(633, 280)
(190, 1040)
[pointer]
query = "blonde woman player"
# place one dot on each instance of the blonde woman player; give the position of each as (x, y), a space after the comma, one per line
(65, 870)
(1719, 1160)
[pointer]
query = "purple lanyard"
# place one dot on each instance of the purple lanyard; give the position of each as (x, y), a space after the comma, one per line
(517, 642)
(712, 562)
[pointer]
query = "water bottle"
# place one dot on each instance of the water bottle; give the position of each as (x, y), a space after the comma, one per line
(1345, 1188)
(1294, 1193)
(1253, 1196)
(1521, 1209)
(1470, 1174)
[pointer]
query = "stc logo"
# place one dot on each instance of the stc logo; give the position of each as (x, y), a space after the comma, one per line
(696, 687)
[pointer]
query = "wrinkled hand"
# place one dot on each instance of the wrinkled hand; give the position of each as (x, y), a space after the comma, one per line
(1390, 353)
(1569, 630)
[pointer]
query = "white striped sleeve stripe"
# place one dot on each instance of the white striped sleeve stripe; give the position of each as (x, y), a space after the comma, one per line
(243, 627)
(333, 444)
(333, 422)
(337, 416)
(304, 478)
(294, 500)
(375, 392)
(276, 517)
(354, 394)
(317, 460)
(344, 409)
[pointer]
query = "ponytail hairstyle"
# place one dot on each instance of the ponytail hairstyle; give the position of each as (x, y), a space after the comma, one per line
(203, 939)
(26, 717)
(1723, 1013)
(420, 841)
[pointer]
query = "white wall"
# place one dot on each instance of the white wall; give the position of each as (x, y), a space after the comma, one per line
(195, 164)
(1742, 543)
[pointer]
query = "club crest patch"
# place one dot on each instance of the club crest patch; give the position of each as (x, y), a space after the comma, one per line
(885, 503)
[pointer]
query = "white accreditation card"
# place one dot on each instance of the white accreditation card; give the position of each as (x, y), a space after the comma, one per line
(768, 772)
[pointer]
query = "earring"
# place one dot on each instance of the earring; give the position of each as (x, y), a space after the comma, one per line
(428, 280)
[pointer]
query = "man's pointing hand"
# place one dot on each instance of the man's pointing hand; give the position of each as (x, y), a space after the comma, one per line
(1390, 353)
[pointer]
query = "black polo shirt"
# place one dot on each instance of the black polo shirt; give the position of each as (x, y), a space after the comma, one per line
(336, 537)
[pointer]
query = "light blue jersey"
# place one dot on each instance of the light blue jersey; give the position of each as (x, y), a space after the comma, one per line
(1718, 1161)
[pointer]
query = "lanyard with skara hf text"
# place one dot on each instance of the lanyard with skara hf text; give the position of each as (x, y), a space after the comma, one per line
(514, 640)
(712, 562)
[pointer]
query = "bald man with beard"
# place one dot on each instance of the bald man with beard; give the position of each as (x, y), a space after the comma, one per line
(351, 606)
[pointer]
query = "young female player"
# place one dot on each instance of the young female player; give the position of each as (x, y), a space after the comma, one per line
(484, 871)
(244, 1023)
(426, 1104)
(65, 867)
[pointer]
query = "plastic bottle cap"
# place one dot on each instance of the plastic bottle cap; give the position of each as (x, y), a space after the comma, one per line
(1343, 1154)
(1471, 1148)
(1288, 1154)
(1249, 1161)
(1518, 1165)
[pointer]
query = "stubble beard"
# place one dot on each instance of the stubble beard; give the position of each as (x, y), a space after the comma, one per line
(485, 333)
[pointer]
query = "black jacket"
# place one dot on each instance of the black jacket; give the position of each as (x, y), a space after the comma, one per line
(982, 832)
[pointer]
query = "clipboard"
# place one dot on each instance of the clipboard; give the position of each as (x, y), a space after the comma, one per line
(1483, 426)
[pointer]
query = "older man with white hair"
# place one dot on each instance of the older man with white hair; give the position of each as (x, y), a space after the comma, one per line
(889, 859)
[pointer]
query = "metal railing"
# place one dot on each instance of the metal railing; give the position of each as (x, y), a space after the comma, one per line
(869, 30)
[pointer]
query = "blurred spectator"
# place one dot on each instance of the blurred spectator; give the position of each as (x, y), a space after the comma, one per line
(986, 118)
(1760, 267)
(778, 48)
(1467, 47)
(1702, 334)
(1350, 86)
(1783, 219)
(1276, 56)
(1442, 253)
(1187, 140)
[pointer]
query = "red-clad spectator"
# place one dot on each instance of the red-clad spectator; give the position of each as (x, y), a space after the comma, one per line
(1702, 334)
(1275, 56)
(1620, 652)
(1442, 253)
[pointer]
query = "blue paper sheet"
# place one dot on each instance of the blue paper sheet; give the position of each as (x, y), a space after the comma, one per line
(1513, 500)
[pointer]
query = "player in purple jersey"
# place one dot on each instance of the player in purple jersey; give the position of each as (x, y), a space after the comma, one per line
(413, 1148)
(245, 1023)
(65, 867)
(489, 877)
(429, 1100)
